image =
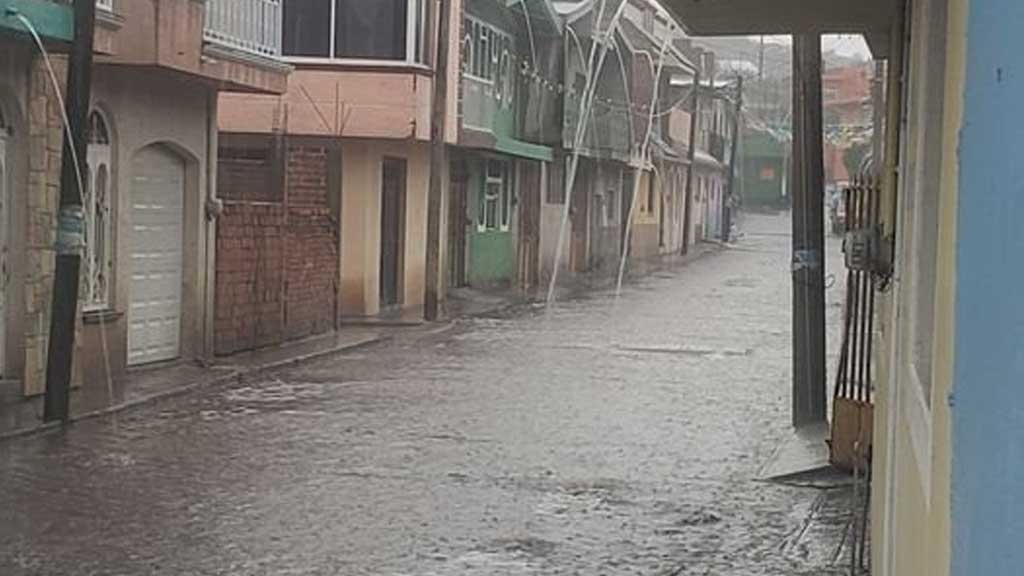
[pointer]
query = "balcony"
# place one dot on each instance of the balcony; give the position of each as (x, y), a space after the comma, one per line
(252, 26)
(233, 44)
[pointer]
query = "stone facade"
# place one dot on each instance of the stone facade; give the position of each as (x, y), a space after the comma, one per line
(45, 146)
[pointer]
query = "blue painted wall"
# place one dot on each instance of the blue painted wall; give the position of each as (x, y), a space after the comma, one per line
(988, 413)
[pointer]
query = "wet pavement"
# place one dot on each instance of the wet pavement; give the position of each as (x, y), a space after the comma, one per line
(598, 437)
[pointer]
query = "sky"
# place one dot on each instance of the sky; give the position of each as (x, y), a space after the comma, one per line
(852, 45)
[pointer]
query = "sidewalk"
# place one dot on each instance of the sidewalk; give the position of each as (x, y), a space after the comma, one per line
(19, 415)
(468, 302)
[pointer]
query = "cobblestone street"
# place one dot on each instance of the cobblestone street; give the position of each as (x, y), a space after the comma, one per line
(598, 437)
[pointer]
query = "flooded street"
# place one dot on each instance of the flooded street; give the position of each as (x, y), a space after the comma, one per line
(598, 437)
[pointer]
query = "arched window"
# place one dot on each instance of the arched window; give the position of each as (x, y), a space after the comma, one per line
(97, 262)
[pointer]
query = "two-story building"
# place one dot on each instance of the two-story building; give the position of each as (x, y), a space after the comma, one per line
(150, 194)
(508, 128)
(712, 158)
(603, 183)
(612, 158)
(651, 37)
(325, 185)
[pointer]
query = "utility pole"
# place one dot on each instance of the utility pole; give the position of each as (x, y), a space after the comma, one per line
(438, 164)
(691, 156)
(736, 135)
(809, 378)
(70, 219)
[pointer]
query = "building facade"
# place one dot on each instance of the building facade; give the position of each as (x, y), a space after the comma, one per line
(634, 162)
(347, 146)
(149, 195)
(764, 168)
(509, 114)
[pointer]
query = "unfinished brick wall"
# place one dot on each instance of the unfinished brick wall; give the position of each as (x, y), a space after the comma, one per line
(250, 272)
(277, 250)
(311, 245)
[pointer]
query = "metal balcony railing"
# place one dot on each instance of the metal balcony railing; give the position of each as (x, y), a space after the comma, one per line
(248, 25)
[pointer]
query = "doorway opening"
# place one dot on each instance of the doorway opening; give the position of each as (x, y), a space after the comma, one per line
(392, 232)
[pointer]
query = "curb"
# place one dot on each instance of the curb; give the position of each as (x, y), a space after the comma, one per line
(242, 372)
(233, 374)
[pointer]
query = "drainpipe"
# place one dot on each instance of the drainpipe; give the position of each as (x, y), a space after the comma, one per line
(213, 207)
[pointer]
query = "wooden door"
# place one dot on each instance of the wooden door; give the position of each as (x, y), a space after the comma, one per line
(392, 231)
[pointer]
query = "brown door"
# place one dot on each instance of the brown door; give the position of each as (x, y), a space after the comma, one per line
(580, 216)
(457, 223)
(392, 231)
(627, 201)
(661, 214)
(529, 223)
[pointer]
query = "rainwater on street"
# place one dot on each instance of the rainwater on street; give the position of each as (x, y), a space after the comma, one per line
(598, 437)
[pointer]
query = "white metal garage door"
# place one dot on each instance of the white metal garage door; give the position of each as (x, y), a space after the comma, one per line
(155, 245)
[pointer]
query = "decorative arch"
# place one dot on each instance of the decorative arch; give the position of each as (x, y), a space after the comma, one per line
(97, 201)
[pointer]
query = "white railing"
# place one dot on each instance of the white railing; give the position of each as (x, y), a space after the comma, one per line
(248, 25)
(107, 5)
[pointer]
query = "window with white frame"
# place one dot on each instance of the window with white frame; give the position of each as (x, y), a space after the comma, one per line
(97, 262)
(495, 210)
(390, 30)
(488, 56)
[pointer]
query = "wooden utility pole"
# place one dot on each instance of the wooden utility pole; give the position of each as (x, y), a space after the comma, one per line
(70, 219)
(438, 165)
(736, 135)
(691, 156)
(808, 266)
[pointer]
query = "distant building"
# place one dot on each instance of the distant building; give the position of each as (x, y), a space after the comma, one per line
(765, 167)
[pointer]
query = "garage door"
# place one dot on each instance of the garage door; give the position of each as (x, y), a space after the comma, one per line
(157, 196)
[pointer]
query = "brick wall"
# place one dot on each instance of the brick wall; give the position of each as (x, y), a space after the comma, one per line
(311, 279)
(247, 179)
(306, 175)
(277, 258)
(250, 264)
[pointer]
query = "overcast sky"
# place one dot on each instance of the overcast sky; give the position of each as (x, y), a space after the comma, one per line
(846, 44)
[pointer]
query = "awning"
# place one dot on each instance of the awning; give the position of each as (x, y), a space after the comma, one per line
(873, 18)
(522, 149)
(53, 21)
(485, 140)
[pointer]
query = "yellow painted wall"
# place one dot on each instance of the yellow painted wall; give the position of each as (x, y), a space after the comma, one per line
(360, 223)
(911, 513)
